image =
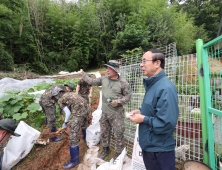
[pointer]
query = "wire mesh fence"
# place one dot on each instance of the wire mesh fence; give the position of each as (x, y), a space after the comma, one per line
(182, 71)
(212, 59)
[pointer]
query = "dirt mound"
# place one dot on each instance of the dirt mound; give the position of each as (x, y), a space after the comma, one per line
(46, 134)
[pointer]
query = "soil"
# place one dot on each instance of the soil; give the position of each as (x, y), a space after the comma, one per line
(46, 134)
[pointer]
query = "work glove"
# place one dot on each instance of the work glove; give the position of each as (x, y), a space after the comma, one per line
(113, 103)
(64, 125)
(90, 95)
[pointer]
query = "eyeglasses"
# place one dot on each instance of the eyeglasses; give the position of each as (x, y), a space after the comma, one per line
(144, 61)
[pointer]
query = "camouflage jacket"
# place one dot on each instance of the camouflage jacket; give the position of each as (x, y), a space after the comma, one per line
(74, 102)
(118, 89)
(83, 87)
(47, 98)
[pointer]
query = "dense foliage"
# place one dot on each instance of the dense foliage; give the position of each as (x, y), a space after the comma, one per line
(54, 35)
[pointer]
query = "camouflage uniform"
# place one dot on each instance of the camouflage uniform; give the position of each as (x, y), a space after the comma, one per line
(80, 111)
(47, 102)
(84, 89)
(112, 117)
(1, 145)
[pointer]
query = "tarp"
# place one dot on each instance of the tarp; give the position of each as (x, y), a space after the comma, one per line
(9, 84)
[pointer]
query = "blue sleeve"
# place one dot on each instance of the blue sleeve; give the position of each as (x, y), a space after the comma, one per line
(167, 113)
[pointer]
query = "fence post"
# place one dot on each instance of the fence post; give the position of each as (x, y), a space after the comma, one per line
(199, 44)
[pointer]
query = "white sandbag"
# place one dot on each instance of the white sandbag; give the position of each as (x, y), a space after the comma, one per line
(90, 160)
(100, 101)
(118, 163)
(127, 163)
(137, 157)
(105, 166)
(18, 147)
(93, 135)
(96, 115)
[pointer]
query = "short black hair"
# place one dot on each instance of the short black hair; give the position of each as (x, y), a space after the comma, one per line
(158, 55)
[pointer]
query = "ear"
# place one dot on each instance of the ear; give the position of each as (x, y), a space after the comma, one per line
(158, 63)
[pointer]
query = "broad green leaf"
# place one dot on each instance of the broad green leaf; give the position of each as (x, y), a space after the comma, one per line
(17, 98)
(11, 109)
(17, 116)
(31, 90)
(24, 115)
(33, 107)
(13, 92)
(1, 110)
(6, 98)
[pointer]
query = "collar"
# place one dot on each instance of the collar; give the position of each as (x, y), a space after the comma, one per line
(114, 79)
(150, 81)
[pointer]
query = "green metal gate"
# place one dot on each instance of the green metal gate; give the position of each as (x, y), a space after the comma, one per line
(212, 73)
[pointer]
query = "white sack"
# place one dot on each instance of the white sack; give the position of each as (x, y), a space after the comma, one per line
(127, 163)
(105, 166)
(137, 157)
(96, 115)
(118, 163)
(93, 135)
(100, 101)
(18, 147)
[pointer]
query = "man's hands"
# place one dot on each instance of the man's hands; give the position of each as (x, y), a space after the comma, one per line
(81, 72)
(136, 117)
(113, 103)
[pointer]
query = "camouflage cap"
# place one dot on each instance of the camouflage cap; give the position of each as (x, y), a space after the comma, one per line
(10, 125)
(56, 91)
(71, 86)
(114, 64)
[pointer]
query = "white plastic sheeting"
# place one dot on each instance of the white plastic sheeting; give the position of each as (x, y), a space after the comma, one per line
(8, 84)
(18, 147)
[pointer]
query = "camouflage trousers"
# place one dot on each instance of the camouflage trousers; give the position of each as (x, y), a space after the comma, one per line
(115, 121)
(85, 96)
(77, 122)
(50, 113)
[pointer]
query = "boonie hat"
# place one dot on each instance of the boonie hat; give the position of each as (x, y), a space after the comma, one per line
(71, 86)
(56, 91)
(10, 125)
(114, 65)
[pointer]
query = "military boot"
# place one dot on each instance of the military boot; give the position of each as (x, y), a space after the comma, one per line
(104, 152)
(74, 153)
(55, 139)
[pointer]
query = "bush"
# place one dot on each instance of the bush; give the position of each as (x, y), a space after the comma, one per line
(6, 59)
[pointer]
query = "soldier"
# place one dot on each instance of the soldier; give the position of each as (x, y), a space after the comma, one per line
(47, 102)
(72, 103)
(7, 128)
(83, 87)
(115, 92)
